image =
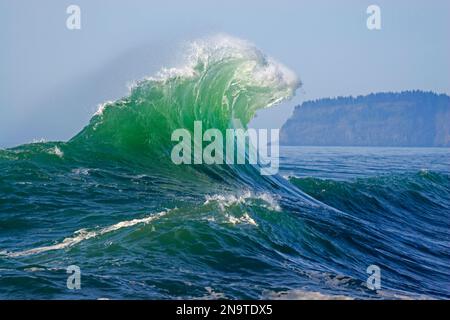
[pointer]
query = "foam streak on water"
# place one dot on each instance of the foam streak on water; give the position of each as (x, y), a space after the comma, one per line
(235, 234)
(82, 235)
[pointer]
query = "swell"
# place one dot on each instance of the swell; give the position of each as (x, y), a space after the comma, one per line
(406, 220)
(403, 192)
(399, 203)
(118, 170)
(223, 79)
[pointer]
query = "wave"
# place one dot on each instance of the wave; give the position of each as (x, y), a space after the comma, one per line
(422, 189)
(82, 235)
(224, 220)
(222, 79)
(223, 202)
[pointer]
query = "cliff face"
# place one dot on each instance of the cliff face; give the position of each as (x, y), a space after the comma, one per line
(411, 118)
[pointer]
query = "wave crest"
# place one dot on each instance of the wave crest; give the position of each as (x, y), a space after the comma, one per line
(222, 79)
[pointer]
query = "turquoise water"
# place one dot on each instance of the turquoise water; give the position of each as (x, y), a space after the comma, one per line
(111, 202)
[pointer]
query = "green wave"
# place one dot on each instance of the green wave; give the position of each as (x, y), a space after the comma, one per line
(223, 79)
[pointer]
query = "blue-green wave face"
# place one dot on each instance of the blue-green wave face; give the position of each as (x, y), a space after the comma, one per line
(223, 79)
(111, 201)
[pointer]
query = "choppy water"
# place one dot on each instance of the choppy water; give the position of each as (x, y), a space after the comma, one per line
(111, 202)
(243, 243)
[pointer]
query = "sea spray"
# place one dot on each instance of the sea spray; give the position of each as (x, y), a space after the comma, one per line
(112, 202)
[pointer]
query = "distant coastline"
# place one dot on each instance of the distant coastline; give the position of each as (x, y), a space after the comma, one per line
(387, 119)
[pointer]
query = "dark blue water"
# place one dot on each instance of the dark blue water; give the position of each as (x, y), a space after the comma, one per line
(401, 197)
(137, 232)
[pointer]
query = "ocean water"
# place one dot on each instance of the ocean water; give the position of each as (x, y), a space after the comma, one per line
(111, 202)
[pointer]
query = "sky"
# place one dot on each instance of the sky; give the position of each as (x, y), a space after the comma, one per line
(53, 78)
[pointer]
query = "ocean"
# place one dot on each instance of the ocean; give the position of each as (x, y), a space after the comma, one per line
(136, 226)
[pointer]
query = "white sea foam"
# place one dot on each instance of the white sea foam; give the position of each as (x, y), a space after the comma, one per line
(102, 106)
(83, 234)
(304, 295)
(245, 218)
(212, 294)
(297, 294)
(56, 151)
(401, 295)
(199, 54)
(81, 171)
(225, 201)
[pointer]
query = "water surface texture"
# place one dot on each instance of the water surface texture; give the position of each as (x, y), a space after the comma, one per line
(111, 202)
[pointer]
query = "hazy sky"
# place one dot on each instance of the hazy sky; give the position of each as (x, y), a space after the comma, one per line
(52, 78)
